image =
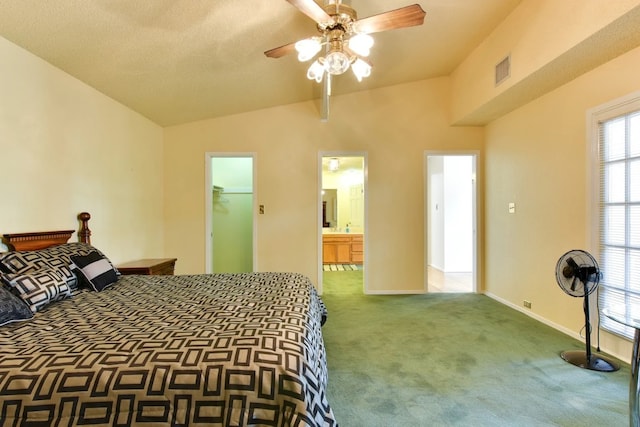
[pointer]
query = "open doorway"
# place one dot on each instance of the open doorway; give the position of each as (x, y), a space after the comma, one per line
(451, 218)
(342, 222)
(230, 203)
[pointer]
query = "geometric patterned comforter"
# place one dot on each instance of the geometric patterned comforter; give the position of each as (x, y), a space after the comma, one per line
(218, 349)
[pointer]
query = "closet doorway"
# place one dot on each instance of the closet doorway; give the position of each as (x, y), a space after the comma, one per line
(342, 242)
(451, 222)
(230, 204)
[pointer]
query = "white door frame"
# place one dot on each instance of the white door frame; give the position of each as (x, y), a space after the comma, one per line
(208, 197)
(474, 194)
(362, 154)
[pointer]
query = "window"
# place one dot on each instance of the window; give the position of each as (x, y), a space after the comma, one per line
(617, 140)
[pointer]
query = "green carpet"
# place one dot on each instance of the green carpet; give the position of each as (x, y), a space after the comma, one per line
(456, 360)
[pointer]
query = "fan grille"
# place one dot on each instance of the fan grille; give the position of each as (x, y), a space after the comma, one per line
(577, 273)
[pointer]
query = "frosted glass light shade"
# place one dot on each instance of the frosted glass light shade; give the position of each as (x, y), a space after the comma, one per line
(361, 69)
(361, 44)
(337, 62)
(315, 71)
(307, 48)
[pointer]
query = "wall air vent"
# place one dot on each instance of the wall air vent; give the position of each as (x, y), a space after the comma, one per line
(503, 70)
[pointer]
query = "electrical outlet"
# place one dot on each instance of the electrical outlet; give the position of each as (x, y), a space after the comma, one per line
(526, 303)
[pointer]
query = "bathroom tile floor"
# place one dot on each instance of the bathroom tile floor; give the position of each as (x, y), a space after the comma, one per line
(341, 267)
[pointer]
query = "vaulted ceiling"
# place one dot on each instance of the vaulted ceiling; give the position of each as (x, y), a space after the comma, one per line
(176, 61)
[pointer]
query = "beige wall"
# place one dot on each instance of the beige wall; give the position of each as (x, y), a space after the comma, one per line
(394, 125)
(536, 157)
(65, 148)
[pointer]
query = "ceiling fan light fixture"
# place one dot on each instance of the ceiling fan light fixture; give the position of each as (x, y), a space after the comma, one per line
(361, 44)
(338, 24)
(315, 71)
(361, 69)
(308, 48)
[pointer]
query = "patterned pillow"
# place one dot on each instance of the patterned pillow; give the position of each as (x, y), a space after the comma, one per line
(12, 308)
(53, 258)
(28, 261)
(39, 288)
(94, 269)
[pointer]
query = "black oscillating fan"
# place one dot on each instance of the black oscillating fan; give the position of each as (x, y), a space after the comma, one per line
(578, 274)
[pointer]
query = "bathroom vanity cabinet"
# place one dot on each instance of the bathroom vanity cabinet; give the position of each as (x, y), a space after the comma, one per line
(342, 248)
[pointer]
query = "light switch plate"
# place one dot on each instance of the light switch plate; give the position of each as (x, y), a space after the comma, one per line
(512, 207)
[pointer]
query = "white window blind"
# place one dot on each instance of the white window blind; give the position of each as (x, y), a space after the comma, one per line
(619, 216)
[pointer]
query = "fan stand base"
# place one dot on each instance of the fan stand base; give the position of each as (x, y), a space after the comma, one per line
(596, 362)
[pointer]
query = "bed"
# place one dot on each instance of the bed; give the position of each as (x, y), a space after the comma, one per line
(92, 347)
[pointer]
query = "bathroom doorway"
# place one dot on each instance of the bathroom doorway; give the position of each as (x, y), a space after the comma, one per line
(342, 222)
(230, 201)
(451, 222)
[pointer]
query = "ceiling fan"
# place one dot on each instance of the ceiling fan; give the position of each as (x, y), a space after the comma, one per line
(345, 39)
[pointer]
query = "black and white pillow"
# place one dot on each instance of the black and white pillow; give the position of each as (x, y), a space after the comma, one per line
(53, 258)
(39, 288)
(12, 308)
(94, 269)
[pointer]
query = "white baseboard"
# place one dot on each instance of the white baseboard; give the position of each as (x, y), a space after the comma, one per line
(623, 357)
(539, 318)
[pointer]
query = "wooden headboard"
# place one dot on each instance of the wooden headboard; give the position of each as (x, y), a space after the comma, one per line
(44, 239)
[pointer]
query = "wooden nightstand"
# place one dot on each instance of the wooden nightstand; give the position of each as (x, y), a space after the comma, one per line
(159, 266)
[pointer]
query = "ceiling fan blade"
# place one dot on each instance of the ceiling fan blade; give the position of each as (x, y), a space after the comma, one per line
(278, 52)
(407, 16)
(312, 10)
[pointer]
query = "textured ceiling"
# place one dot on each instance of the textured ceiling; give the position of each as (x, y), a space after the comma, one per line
(176, 61)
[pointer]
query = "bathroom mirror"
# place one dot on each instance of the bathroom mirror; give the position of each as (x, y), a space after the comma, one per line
(329, 207)
(343, 194)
